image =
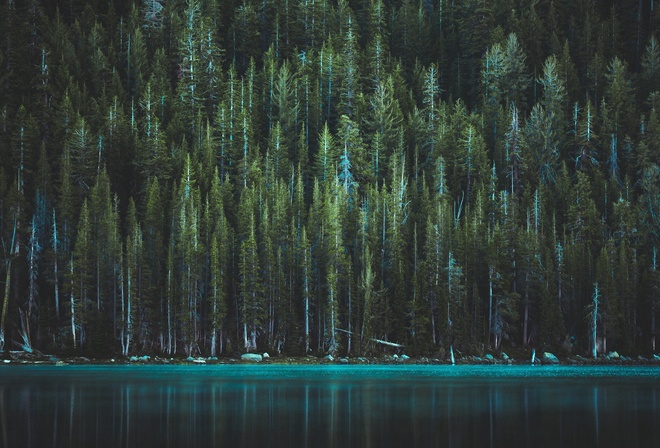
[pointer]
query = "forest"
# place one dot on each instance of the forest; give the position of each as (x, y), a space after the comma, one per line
(210, 177)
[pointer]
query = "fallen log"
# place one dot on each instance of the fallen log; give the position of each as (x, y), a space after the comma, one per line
(379, 341)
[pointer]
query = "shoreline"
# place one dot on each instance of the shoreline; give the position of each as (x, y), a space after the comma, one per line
(22, 358)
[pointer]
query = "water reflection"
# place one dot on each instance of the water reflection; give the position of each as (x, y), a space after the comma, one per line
(42, 407)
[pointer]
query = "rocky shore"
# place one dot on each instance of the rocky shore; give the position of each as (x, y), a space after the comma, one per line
(544, 358)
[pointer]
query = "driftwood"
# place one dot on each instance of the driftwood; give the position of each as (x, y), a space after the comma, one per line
(379, 341)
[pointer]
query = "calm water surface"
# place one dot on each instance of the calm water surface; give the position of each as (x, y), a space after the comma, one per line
(329, 406)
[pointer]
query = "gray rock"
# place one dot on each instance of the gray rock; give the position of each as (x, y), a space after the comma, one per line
(613, 355)
(329, 358)
(266, 355)
(505, 356)
(144, 358)
(343, 360)
(254, 357)
(405, 357)
(656, 357)
(190, 359)
(395, 356)
(133, 359)
(549, 358)
(213, 358)
(490, 357)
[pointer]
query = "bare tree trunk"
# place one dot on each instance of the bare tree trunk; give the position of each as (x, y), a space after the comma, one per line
(490, 302)
(594, 321)
(55, 269)
(73, 308)
(5, 303)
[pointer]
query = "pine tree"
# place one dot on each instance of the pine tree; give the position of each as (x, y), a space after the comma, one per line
(81, 277)
(251, 286)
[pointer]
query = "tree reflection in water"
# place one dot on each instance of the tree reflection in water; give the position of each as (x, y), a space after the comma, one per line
(325, 406)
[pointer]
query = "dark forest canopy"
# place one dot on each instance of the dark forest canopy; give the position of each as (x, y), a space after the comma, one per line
(307, 176)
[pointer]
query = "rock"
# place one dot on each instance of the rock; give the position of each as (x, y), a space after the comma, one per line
(190, 359)
(133, 359)
(329, 358)
(490, 357)
(363, 360)
(213, 358)
(199, 361)
(253, 357)
(343, 360)
(613, 355)
(505, 356)
(549, 358)
(405, 357)
(395, 356)
(144, 358)
(266, 355)
(656, 358)
(6, 361)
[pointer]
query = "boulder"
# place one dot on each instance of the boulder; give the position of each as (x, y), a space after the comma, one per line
(329, 358)
(405, 357)
(253, 357)
(343, 360)
(133, 359)
(549, 358)
(613, 355)
(144, 358)
(395, 356)
(656, 358)
(266, 355)
(490, 357)
(190, 359)
(505, 356)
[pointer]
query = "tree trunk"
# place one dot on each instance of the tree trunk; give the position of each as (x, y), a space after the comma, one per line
(73, 308)
(490, 302)
(5, 303)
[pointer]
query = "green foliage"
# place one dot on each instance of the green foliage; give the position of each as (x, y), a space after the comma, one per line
(193, 177)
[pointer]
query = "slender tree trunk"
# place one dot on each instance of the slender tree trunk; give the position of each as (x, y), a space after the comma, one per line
(73, 308)
(129, 323)
(350, 317)
(332, 320)
(5, 303)
(526, 311)
(490, 303)
(55, 270)
(594, 321)
(306, 309)
(246, 343)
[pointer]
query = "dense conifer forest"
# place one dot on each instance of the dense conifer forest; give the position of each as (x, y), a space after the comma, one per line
(209, 177)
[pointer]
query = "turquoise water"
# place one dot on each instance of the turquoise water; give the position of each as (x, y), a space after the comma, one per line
(331, 406)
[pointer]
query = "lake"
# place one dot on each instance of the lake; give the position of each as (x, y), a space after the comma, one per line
(329, 406)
